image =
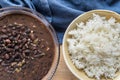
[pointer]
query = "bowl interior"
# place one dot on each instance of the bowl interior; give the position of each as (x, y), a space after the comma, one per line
(38, 16)
(83, 18)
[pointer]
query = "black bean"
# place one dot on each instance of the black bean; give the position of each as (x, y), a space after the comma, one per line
(39, 55)
(6, 56)
(24, 40)
(4, 30)
(11, 38)
(28, 31)
(32, 36)
(42, 46)
(3, 36)
(8, 41)
(27, 52)
(1, 60)
(8, 49)
(13, 28)
(9, 34)
(16, 47)
(4, 64)
(8, 30)
(17, 58)
(10, 45)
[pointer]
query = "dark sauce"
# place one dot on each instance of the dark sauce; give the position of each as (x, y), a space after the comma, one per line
(34, 68)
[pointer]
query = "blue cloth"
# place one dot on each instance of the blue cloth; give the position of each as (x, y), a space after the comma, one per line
(61, 12)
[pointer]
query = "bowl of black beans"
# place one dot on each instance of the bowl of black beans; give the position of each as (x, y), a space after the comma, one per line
(29, 47)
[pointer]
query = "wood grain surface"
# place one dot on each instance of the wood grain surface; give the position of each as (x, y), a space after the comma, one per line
(63, 73)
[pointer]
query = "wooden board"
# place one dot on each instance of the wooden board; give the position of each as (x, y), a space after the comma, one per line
(63, 73)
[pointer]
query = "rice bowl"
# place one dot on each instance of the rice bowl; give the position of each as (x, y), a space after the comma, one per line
(85, 67)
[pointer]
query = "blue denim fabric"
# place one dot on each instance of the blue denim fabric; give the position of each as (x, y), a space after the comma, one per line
(61, 12)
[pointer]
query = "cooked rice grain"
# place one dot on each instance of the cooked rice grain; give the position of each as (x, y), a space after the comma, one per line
(94, 47)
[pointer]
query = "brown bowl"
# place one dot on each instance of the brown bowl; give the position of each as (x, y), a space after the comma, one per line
(48, 27)
(83, 18)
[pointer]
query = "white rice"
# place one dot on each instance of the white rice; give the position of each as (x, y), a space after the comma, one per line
(94, 47)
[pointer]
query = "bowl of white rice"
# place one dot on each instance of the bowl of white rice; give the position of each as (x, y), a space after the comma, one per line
(91, 46)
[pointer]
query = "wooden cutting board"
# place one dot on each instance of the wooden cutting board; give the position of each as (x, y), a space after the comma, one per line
(63, 73)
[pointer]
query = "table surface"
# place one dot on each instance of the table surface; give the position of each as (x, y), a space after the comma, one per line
(63, 73)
